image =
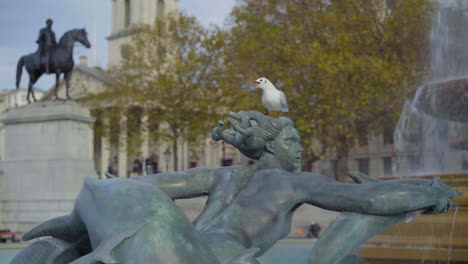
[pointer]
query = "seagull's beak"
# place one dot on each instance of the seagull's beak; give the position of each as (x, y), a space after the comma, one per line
(256, 84)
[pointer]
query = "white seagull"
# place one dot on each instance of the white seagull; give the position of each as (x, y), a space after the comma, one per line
(273, 99)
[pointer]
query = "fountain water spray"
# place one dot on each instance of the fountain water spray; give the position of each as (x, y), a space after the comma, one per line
(431, 133)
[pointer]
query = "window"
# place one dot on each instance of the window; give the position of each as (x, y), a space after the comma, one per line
(363, 166)
(226, 162)
(127, 13)
(415, 162)
(362, 140)
(334, 168)
(387, 162)
(388, 135)
(124, 51)
(160, 9)
(465, 164)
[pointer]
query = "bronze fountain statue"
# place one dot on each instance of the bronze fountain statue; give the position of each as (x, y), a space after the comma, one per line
(249, 208)
(51, 58)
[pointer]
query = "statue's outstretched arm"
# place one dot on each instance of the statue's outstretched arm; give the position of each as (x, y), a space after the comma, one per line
(379, 198)
(186, 184)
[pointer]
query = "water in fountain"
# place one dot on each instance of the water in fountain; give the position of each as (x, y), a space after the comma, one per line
(433, 125)
(451, 233)
(448, 41)
(432, 133)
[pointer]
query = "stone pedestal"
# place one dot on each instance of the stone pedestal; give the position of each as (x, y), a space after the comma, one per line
(48, 153)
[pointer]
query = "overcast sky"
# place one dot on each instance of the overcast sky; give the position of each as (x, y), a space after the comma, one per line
(21, 20)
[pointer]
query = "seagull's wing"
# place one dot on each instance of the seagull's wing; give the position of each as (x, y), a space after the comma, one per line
(284, 104)
(265, 102)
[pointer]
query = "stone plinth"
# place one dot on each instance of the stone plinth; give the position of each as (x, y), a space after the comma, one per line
(48, 153)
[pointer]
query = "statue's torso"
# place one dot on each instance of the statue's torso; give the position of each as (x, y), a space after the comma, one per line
(261, 213)
(47, 38)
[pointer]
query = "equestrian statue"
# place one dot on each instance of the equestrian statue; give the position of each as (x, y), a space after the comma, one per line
(51, 58)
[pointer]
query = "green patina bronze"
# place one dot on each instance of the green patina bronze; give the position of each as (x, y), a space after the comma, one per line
(248, 210)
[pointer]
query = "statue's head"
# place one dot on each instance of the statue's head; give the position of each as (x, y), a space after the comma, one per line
(259, 135)
(49, 22)
(287, 148)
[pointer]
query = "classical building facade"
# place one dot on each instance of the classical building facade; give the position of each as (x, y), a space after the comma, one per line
(126, 13)
(372, 155)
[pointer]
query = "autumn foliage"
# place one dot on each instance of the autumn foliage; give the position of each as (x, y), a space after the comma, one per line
(345, 67)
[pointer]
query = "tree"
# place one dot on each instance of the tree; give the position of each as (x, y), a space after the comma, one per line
(165, 72)
(345, 66)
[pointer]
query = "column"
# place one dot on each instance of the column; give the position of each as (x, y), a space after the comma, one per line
(167, 165)
(122, 157)
(142, 11)
(91, 146)
(2, 138)
(376, 167)
(206, 154)
(146, 7)
(105, 150)
(105, 156)
(352, 165)
(120, 15)
(161, 159)
(183, 158)
(145, 138)
(115, 4)
(134, 11)
(152, 11)
(170, 5)
(180, 154)
(140, 15)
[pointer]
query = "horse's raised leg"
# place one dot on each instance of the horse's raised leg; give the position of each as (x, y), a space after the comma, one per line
(29, 91)
(32, 81)
(57, 79)
(34, 97)
(67, 81)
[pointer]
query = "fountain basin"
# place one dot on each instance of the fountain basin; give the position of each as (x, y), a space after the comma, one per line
(428, 238)
(447, 100)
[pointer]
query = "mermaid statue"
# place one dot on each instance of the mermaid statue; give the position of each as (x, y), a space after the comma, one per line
(249, 208)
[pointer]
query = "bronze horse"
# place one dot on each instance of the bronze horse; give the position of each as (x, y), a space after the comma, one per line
(61, 61)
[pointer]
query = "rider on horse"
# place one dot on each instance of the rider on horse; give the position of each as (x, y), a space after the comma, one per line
(47, 45)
